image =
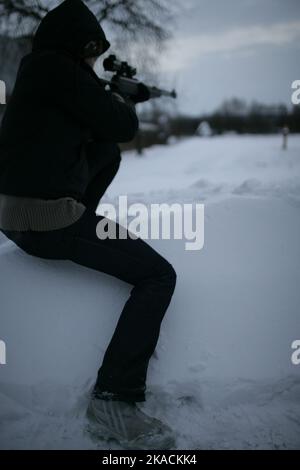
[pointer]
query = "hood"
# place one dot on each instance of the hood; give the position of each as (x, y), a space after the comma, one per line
(68, 27)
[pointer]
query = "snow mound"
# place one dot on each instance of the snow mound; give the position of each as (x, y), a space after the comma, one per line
(222, 375)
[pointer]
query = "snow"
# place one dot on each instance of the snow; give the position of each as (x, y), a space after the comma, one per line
(222, 375)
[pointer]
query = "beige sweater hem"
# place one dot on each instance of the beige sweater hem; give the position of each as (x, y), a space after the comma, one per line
(23, 213)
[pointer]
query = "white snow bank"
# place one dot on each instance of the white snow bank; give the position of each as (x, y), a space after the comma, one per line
(209, 169)
(222, 374)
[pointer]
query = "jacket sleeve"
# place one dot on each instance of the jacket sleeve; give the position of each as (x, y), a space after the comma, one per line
(83, 96)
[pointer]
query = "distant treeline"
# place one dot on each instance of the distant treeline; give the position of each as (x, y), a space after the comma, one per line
(233, 115)
(236, 116)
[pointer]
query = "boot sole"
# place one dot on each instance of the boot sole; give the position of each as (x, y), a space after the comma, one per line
(99, 431)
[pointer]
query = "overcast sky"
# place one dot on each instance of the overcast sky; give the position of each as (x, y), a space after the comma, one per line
(224, 48)
(232, 48)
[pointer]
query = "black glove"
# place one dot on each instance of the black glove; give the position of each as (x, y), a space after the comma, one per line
(143, 94)
(124, 99)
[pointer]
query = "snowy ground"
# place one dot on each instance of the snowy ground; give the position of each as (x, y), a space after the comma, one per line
(222, 375)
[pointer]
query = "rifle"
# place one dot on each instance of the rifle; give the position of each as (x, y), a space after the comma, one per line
(124, 82)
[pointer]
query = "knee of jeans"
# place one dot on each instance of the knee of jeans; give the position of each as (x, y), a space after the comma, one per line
(168, 273)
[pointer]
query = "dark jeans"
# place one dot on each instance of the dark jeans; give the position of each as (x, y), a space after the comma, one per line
(124, 367)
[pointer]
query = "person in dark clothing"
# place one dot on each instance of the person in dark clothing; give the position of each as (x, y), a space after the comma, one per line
(58, 154)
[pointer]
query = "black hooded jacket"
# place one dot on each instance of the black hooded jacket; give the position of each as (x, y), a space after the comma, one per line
(60, 120)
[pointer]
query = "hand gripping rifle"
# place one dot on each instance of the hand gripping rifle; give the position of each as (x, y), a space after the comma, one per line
(124, 83)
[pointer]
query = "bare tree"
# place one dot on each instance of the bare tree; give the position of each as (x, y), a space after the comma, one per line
(137, 30)
(131, 18)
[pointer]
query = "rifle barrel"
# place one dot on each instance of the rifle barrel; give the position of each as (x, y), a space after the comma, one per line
(157, 92)
(129, 86)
